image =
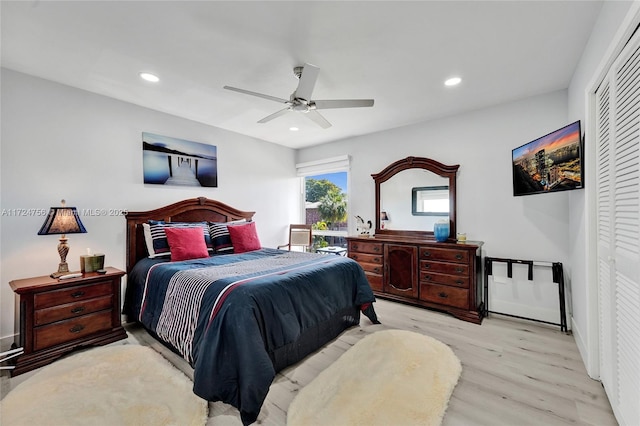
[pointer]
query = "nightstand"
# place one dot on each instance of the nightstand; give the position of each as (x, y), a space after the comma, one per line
(55, 317)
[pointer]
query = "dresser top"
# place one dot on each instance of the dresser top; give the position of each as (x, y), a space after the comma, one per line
(389, 238)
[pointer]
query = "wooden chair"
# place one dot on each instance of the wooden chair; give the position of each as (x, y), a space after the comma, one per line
(299, 236)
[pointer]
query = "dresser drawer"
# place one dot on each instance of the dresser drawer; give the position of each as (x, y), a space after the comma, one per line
(375, 281)
(71, 294)
(366, 258)
(449, 255)
(66, 331)
(445, 295)
(365, 247)
(445, 279)
(374, 268)
(445, 268)
(71, 310)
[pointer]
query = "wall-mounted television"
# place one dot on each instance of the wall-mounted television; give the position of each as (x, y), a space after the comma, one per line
(550, 163)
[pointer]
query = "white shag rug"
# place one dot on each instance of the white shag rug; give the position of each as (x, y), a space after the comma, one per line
(111, 385)
(390, 377)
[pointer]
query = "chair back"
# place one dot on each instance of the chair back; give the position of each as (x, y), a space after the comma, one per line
(300, 236)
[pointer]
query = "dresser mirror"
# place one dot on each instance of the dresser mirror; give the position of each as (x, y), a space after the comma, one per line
(415, 193)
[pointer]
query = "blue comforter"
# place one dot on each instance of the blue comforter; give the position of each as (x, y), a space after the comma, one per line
(238, 319)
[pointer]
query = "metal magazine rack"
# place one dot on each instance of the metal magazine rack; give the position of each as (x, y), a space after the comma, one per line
(558, 278)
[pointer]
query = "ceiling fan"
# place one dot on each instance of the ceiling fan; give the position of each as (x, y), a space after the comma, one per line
(300, 99)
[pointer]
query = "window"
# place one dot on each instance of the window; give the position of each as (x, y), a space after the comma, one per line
(325, 200)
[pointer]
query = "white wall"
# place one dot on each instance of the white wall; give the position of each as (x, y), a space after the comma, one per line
(530, 227)
(581, 213)
(60, 142)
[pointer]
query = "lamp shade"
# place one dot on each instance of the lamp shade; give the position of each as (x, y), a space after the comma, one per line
(384, 216)
(62, 220)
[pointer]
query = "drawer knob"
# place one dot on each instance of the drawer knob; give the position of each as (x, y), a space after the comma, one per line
(459, 256)
(76, 328)
(376, 270)
(443, 295)
(354, 256)
(427, 277)
(376, 259)
(459, 270)
(459, 282)
(355, 246)
(427, 254)
(427, 266)
(376, 248)
(77, 310)
(77, 294)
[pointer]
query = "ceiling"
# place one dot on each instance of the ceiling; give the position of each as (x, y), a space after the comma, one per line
(398, 53)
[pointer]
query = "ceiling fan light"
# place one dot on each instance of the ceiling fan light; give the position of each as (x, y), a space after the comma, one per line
(453, 81)
(293, 129)
(149, 77)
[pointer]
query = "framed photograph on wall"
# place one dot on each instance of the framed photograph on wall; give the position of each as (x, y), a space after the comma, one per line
(178, 162)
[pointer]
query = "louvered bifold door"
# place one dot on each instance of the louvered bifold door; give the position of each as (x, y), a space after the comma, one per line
(618, 196)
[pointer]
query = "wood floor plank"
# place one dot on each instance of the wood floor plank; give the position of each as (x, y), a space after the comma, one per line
(514, 372)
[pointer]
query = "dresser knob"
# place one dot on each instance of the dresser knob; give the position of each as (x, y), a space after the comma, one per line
(355, 246)
(354, 256)
(76, 328)
(426, 254)
(376, 270)
(376, 248)
(427, 266)
(459, 256)
(459, 282)
(427, 277)
(443, 295)
(77, 310)
(376, 259)
(459, 270)
(77, 294)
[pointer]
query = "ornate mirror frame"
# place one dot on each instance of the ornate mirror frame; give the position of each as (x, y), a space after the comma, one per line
(433, 166)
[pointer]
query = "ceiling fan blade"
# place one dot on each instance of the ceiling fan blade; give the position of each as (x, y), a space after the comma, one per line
(343, 103)
(274, 115)
(260, 95)
(307, 82)
(318, 119)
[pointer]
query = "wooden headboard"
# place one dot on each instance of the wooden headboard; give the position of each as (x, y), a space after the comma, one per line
(191, 210)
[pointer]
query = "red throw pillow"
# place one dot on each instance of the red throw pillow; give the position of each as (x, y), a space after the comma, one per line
(244, 237)
(186, 243)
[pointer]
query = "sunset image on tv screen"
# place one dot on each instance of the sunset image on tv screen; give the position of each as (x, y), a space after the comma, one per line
(550, 163)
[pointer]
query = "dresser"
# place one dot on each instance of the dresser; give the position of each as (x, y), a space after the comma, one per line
(444, 276)
(54, 317)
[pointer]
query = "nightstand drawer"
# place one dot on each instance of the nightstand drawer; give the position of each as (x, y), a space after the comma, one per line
(72, 310)
(72, 294)
(66, 331)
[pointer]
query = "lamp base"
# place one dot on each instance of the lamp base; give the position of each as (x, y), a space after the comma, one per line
(63, 269)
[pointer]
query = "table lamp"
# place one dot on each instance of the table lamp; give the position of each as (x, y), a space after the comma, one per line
(62, 220)
(384, 218)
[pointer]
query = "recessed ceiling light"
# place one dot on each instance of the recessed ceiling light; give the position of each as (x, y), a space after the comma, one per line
(453, 81)
(293, 129)
(149, 77)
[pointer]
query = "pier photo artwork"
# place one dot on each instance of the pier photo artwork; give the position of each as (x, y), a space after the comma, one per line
(171, 161)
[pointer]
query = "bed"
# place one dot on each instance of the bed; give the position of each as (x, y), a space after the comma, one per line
(238, 318)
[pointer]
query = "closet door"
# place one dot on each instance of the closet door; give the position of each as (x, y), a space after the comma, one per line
(618, 219)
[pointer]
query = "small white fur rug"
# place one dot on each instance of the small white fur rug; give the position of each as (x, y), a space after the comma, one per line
(390, 377)
(111, 385)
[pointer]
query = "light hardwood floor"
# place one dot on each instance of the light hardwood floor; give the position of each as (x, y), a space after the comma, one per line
(513, 372)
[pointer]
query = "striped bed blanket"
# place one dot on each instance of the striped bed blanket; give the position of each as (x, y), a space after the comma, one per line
(240, 318)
